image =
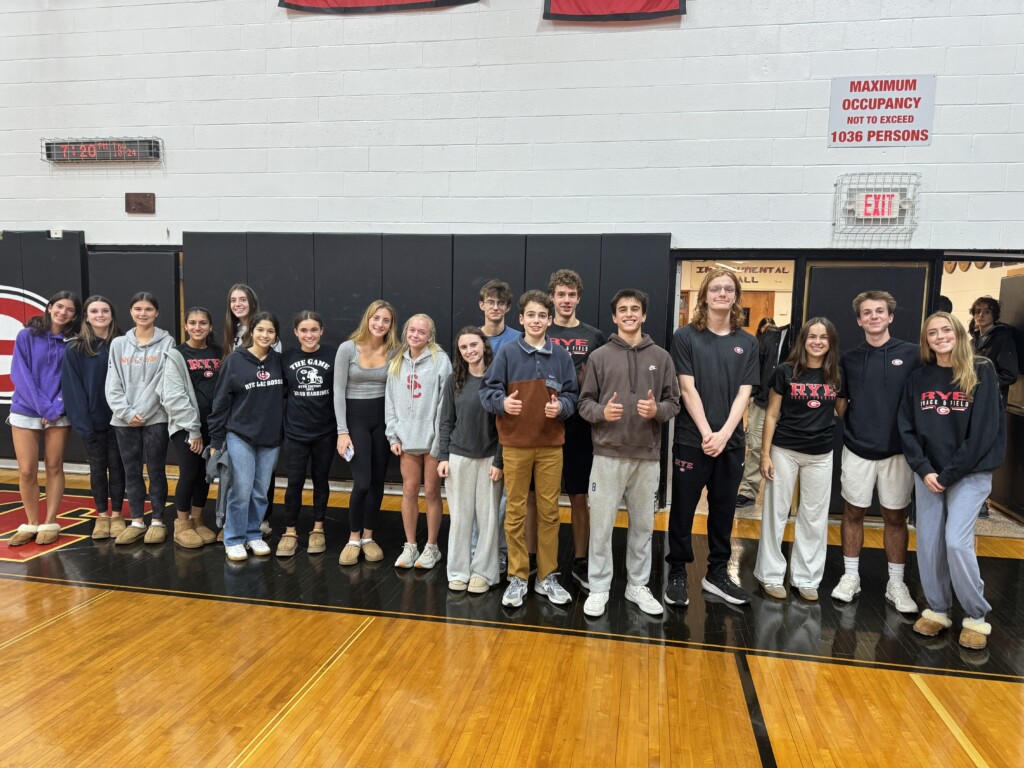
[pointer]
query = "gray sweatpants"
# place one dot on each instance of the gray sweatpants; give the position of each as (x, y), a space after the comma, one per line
(810, 535)
(945, 544)
(610, 480)
(472, 500)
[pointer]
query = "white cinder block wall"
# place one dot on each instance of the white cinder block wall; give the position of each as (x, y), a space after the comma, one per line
(486, 118)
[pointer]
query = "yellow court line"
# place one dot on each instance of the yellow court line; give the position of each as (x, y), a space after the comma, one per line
(298, 696)
(6, 644)
(944, 715)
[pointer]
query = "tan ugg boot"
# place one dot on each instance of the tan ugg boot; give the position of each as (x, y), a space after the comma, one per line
(207, 535)
(185, 536)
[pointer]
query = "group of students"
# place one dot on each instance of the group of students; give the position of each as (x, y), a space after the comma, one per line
(508, 419)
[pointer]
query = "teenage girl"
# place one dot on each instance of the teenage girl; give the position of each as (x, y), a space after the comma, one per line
(83, 379)
(412, 401)
(796, 444)
(248, 409)
(469, 455)
(310, 429)
(37, 413)
(360, 374)
(954, 435)
(133, 390)
(195, 370)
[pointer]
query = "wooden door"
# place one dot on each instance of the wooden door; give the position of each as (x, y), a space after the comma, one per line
(757, 305)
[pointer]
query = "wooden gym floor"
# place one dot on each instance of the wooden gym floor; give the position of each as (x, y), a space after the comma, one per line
(156, 655)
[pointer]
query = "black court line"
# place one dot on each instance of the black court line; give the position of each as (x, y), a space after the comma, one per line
(550, 630)
(761, 736)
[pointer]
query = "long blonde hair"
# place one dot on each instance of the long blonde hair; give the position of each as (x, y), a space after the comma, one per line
(362, 335)
(395, 366)
(700, 312)
(965, 376)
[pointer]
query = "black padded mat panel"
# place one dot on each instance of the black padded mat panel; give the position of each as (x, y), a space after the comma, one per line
(478, 259)
(280, 268)
(581, 253)
(417, 277)
(346, 278)
(638, 261)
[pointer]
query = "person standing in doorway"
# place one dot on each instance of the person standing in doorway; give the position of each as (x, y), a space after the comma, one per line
(565, 288)
(750, 488)
(717, 364)
(874, 374)
(630, 390)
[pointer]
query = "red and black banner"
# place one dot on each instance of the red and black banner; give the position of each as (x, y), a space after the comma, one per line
(612, 10)
(365, 6)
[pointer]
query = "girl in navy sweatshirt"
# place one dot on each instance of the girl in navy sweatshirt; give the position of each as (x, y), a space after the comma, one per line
(953, 438)
(248, 409)
(310, 429)
(37, 413)
(83, 378)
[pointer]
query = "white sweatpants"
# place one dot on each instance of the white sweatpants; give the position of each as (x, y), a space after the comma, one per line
(810, 539)
(472, 499)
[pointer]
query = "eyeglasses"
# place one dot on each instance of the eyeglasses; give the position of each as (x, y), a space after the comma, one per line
(722, 289)
(492, 304)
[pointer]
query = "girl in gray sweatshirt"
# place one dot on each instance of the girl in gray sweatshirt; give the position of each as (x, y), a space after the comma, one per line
(412, 400)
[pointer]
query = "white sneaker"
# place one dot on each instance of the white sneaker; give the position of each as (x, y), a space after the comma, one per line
(408, 557)
(515, 592)
(236, 553)
(847, 588)
(596, 603)
(430, 557)
(552, 590)
(644, 599)
(896, 592)
(265, 528)
(258, 547)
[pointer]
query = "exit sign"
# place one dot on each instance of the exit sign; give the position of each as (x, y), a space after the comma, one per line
(876, 205)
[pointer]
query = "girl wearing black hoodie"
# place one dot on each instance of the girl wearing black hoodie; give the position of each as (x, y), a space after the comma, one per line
(953, 438)
(248, 409)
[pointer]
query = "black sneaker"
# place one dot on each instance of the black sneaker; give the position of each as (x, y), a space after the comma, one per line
(677, 592)
(721, 585)
(983, 513)
(743, 501)
(533, 563)
(579, 572)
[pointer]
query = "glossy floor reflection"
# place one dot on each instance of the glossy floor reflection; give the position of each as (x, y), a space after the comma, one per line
(867, 631)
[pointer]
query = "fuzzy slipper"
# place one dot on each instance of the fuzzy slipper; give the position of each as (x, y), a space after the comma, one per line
(48, 533)
(974, 634)
(931, 623)
(287, 545)
(23, 535)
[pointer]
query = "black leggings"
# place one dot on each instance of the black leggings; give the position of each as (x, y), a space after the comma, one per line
(106, 471)
(144, 444)
(192, 490)
(370, 462)
(297, 454)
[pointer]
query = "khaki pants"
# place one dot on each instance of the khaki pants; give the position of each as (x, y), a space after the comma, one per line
(544, 467)
(751, 484)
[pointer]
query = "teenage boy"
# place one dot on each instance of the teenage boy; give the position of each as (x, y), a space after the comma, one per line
(874, 374)
(495, 302)
(580, 340)
(717, 364)
(531, 388)
(630, 390)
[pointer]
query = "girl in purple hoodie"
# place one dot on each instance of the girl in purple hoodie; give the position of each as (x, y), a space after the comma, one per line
(37, 413)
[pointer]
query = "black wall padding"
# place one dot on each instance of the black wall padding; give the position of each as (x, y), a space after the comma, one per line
(832, 288)
(213, 262)
(280, 267)
(119, 275)
(638, 261)
(478, 259)
(417, 277)
(581, 253)
(346, 278)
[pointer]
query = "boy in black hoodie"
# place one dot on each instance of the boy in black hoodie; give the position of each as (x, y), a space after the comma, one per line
(874, 374)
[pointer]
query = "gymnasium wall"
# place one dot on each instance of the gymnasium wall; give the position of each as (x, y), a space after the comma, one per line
(484, 118)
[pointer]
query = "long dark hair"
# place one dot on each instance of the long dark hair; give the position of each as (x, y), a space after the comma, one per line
(231, 322)
(85, 343)
(211, 341)
(460, 370)
(40, 325)
(254, 320)
(830, 365)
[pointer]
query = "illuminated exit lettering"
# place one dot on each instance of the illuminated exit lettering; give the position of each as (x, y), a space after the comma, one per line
(877, 205)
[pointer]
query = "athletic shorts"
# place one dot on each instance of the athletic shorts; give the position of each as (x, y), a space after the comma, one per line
(892, 477)
(34, 422)
(577, 456)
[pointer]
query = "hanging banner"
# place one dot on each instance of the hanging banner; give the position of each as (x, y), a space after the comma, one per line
(365, 6)
(612, 10)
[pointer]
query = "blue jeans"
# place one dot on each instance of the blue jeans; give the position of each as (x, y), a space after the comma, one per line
(252, 468)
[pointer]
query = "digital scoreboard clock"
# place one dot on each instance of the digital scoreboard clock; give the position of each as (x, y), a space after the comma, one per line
(103, 150)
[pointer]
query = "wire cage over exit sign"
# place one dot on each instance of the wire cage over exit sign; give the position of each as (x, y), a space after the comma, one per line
(876, 203)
